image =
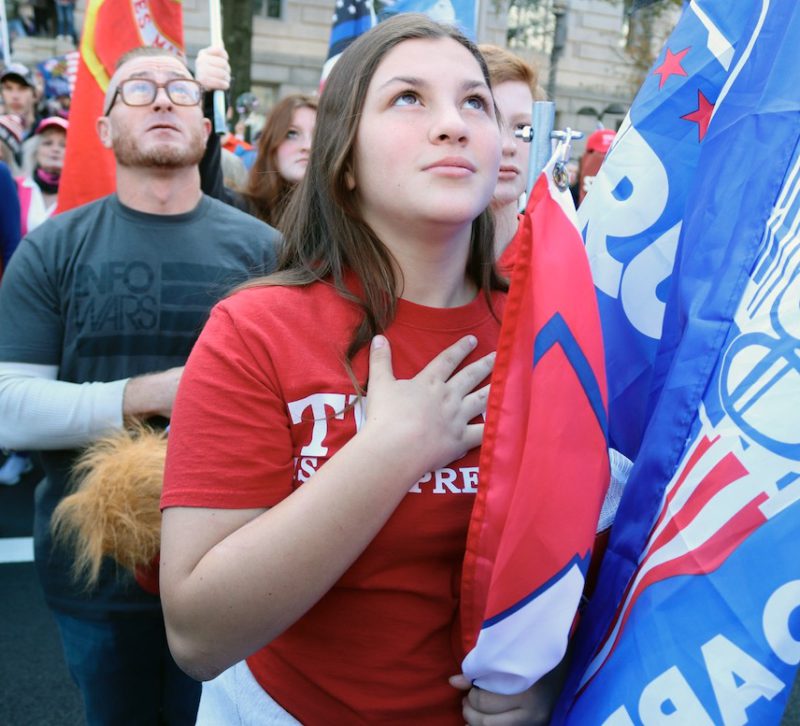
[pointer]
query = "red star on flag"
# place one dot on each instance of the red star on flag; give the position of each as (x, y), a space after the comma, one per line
(671, 66)
(702, 116)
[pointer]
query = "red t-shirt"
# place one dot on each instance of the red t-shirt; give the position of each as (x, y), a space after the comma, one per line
(262, 405)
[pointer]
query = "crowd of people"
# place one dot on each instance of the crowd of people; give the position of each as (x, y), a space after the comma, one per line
(309, 571)
(43, 18)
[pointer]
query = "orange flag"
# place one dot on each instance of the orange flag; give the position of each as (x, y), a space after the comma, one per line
(111, 28)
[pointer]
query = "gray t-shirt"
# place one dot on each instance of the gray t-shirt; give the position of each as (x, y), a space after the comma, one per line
(105, 292)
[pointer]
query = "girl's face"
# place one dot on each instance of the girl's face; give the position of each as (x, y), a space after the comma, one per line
(291, 156)
(514, 101)
(427, 147)
(50, 152)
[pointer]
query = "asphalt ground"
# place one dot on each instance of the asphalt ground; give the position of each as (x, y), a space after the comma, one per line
(35, 686)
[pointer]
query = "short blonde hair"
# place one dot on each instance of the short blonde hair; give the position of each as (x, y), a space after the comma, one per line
(504, 66)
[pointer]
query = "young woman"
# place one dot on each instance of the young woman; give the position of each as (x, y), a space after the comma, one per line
(38, 192)
(315, 532)
(515, 88)
(283, 151)
(283, 147)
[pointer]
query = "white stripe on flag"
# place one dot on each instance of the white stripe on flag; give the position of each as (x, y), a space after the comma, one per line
(504, 659)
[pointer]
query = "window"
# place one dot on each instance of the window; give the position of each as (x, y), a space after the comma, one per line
(268, 8)
(531, 24)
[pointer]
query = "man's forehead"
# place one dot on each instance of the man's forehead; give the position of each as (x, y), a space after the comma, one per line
(14, 83)
(151, 66)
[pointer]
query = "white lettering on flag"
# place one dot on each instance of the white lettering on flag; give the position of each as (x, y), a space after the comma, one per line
(669, 699)
(149, 32)
(738, 679)
(777, 613)
(642, 277)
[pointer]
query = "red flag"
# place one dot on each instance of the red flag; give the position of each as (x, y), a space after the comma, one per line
(111, 28)
(544, 459)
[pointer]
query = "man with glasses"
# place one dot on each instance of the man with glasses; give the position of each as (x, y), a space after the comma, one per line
(100, 308)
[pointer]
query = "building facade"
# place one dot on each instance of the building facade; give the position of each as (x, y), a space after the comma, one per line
(594, 80)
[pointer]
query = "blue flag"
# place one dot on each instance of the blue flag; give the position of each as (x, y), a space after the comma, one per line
(351, 18)
(461, 13)
(696, 617)
(632, 215)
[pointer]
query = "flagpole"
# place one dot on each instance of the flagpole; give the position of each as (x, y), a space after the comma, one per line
(215, 22)
(544, 116)
(4, 31)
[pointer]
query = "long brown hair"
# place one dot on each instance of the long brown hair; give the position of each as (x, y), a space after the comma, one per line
(267, 191)
(325, 235)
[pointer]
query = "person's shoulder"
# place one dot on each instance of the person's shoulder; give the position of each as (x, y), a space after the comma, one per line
(287, 306)
(239, 221)
(282, 295)
(86, 213)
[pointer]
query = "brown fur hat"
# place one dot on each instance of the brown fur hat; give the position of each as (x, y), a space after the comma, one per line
(114, 510)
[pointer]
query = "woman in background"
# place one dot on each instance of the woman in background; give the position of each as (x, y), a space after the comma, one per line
(38, 192)
(283, 150)
(283, 147)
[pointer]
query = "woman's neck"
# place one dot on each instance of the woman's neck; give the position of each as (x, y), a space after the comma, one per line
(506, 221)
(433, 263)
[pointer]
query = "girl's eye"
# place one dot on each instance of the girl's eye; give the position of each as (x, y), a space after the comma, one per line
(292, 134)
(476, 103)
(406, 98)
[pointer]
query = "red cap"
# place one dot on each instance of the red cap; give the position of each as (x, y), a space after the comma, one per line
(51, 121)
(601, 140)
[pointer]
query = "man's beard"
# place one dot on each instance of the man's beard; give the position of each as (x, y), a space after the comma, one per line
(164, 155)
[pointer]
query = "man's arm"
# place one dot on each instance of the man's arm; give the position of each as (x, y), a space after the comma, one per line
(39, 412)
(213, 73)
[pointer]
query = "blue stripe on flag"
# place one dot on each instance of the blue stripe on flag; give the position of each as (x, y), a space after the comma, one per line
(555, 331)
(350, 29)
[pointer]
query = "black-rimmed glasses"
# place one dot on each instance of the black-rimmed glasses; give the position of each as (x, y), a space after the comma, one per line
(143, 91)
